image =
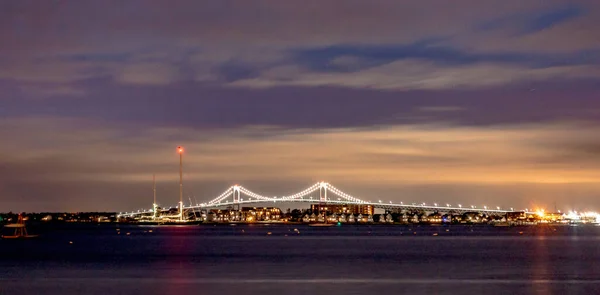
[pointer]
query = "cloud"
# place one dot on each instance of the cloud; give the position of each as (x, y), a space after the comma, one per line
(553, 18)
(193, 105)
(401, 100)
(216, 42)
(440, 109)
(48, 90)
(82, 152)
(148, 73)
(418, 74)
(527, 22)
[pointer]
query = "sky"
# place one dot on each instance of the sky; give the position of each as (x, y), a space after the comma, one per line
(492, 102)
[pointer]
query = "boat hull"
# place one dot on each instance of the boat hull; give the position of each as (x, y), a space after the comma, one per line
(19, 237)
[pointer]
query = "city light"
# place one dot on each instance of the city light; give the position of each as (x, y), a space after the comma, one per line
(247, 196)
(540, 212)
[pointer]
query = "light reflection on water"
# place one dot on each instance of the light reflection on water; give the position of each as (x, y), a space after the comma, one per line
(337, 260)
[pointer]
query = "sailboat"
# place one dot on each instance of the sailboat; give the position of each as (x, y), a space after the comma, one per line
(20, 230)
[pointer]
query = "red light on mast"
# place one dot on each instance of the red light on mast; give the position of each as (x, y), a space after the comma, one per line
(179, 149)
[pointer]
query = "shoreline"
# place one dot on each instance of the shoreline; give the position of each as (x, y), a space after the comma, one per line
(231, 224)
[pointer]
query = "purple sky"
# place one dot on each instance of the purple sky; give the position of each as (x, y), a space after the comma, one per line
(466, 101)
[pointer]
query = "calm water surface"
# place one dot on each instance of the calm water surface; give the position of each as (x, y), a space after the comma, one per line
(96, 259)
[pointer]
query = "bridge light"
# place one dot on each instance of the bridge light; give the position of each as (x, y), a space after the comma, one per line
(473, 207)
(379, 201)
(447, 205)
(459, 206)
(498, 207)
(511, 209)
(435, 204)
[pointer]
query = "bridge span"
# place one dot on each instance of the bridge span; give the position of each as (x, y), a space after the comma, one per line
(321, 192)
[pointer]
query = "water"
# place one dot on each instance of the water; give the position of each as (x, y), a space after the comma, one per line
(335, 260)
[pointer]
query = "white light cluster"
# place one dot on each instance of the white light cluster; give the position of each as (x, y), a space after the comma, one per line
(303, 193)
(578, 216)
(340, 193)
(254, 195)
(222, 196)
(326, 186)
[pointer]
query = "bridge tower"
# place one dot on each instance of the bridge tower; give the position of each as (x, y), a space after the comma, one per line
(236, 197)
(323, 192)
(322, 197)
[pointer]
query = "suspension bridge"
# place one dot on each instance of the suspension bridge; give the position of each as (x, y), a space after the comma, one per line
(321, 192)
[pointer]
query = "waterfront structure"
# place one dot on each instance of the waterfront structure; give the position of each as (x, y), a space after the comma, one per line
(245, 214)
(343, 208)
(261, 213)
(19, 230)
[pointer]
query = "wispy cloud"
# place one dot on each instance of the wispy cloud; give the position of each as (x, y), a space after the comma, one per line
(392, 157)
(419, 74)
(217, 44)
(390, 98)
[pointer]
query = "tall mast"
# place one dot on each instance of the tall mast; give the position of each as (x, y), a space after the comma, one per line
(154, 206)
(180, 150)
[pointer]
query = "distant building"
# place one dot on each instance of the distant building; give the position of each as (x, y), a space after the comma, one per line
(261, 213)
(343, 208)
(516, 216)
